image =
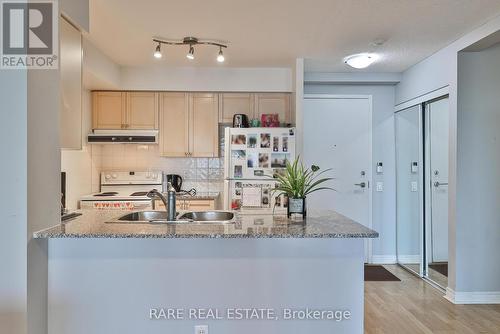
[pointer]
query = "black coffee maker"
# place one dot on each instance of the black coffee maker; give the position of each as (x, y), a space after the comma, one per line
(175, 180)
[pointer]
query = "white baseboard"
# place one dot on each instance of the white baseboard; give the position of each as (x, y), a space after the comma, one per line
(384, 259)
(474, 297)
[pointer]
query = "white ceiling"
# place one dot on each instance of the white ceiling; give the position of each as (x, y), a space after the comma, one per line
(273, 33)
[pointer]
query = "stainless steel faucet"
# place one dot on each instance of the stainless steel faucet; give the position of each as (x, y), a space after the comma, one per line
(169, 203)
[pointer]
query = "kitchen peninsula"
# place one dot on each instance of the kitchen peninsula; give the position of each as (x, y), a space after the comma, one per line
(108, 277)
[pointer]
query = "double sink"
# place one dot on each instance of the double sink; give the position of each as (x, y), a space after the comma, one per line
(160, 217)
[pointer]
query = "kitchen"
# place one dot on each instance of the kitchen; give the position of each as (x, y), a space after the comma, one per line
(170, 170)
(156, 180)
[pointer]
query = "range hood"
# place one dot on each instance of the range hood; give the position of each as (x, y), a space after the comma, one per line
(123, 137)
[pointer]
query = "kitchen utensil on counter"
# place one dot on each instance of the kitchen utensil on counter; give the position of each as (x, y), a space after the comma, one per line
(175, 180)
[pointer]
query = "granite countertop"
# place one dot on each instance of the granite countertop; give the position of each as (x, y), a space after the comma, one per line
(325, 224)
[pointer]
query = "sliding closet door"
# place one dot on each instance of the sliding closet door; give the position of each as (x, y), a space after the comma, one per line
(409, 181)
(437, 120)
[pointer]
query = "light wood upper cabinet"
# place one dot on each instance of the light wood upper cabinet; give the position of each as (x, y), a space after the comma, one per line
(236, 103)
(108, 110)
(125, 110)
(273, 103)
(174, 127)
(189, 125)
(203, 125)
(142, 110)
(254, 105)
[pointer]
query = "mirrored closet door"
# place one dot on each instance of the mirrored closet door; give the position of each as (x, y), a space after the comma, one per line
(422, 189)
(409, 197)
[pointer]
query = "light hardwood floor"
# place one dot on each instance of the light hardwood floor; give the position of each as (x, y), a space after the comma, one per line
(413, 306)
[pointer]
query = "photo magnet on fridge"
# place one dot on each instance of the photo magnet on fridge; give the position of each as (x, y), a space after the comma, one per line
(238, 171)
(253, 160)
(285, 144)
(252, 141)
(238, 139)
(238, 154)
(276, 144)
(263, 160)
(265, 140)
(258, 172)
(278, 160)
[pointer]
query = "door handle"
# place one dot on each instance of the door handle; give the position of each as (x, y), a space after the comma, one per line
(438, 184)
(362, 184)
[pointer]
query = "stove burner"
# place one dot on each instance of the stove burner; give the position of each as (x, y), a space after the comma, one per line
(109, 193)
(139, 193)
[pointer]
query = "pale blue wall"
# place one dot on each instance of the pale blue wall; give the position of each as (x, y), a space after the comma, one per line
(13, 197)
(478, 178)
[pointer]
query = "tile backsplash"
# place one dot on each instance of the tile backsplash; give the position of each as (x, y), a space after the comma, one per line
(203, 174)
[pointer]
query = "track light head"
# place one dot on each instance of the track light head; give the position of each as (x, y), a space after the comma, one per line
(220, 57)
(190, 54)
(157, 54)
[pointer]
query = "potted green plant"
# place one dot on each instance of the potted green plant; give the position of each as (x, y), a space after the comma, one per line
(297, 181)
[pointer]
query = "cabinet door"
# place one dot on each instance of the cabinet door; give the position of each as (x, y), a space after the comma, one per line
(108, 110)
(273, 103)
(174, 116)
(71, 86)
(203, 125)
(236, 103)
(142, 110)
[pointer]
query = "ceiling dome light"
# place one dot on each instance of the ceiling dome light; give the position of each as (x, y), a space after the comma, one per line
(362, 60)
(157, 53)
(190, 54)
(220, 57)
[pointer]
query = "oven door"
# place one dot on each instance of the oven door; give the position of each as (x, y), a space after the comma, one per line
(116, 205)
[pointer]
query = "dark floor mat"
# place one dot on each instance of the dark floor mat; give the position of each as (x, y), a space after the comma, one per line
(441, 268)
(379, 274)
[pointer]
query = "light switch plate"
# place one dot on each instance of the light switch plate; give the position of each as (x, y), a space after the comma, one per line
(380, 186)
(201, 329)
(414, 186)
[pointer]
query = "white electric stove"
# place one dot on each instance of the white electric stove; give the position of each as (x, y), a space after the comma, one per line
(124, 191)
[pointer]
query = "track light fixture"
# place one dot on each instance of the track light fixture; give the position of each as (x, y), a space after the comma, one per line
(191, 41)
(157, 53)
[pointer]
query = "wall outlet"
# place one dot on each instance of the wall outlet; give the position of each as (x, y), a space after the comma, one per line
(414, 186)
(380, 186)
(201, 329)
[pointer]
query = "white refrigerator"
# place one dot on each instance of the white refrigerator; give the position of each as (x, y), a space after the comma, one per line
(252, 156)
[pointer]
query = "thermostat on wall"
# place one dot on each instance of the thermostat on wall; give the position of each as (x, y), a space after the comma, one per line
(414, 167)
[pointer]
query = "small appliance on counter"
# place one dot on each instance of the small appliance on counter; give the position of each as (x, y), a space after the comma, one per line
(124, 191)
(240, 121)
(175, 180)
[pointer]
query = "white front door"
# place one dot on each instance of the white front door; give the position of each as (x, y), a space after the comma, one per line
(337, 135)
